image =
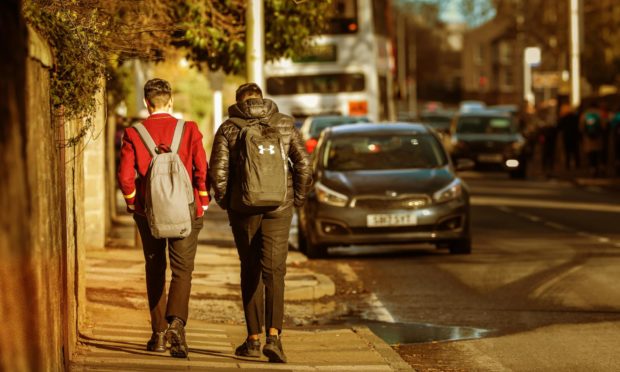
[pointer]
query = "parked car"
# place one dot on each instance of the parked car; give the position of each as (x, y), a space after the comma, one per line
(381, 184)
(509, 108)
(438, 120)
(471, 106)
(314, 125)
(489, 138)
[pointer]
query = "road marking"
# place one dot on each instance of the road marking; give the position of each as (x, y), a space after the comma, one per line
(617, 245)
(603, 239)
(379, 310)
(543, 204)
(584, 234)
(532, 217)
(549, 285)
(556, 226)
(505, 209)
(594, 188)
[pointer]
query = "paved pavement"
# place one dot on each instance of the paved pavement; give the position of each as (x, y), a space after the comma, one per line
(118, 327)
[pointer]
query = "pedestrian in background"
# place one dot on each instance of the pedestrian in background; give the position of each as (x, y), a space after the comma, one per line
(549, 134)
(568, 125)
(592, 126)
(261, 236)
(168, 313)
(614, 130)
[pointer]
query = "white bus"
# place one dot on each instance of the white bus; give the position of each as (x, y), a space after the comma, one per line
(347, 71)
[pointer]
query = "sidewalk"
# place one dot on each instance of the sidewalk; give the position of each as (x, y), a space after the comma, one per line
(580, 177)
(118, 322)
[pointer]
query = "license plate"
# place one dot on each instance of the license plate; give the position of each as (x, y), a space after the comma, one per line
(400, 219)
(490, 158)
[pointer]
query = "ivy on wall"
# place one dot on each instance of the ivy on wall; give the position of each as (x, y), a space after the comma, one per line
(90, 39)
(76, 40)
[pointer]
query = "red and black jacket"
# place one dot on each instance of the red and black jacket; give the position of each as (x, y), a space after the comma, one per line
(135, 157)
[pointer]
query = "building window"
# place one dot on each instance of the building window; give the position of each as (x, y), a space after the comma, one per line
(479, 55)
(505, 53)
(508, 78)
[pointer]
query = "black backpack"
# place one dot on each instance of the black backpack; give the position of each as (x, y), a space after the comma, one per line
(261, 172)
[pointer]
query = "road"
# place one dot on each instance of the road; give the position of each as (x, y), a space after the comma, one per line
(541, 290)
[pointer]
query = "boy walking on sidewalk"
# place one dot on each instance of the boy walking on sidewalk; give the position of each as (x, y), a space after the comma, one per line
(163, 135)
(257, 138)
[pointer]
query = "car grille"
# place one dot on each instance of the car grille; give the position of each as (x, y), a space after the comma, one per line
(383, 203)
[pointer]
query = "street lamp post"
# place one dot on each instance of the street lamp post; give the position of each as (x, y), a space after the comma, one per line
(255, 41)
(575, 9)
(531, 57)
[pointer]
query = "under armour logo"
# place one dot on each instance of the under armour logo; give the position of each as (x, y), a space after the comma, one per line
(271, 149)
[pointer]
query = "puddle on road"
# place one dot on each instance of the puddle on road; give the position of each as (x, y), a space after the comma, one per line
(412, 333)
(415, 333)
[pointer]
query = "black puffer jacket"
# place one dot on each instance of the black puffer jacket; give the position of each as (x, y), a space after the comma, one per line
(225, 152)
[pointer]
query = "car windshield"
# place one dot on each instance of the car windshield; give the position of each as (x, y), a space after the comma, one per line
(383, 152)
(319, 124)
(485, 125)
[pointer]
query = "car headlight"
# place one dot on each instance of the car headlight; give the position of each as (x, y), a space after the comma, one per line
(329, 196)
(453, 191)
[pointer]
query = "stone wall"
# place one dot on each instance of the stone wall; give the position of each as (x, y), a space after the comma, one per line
(73, 231)
(32, 270)
(95, 178)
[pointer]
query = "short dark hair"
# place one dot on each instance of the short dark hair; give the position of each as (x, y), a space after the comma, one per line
(248, 90)
(157, 92)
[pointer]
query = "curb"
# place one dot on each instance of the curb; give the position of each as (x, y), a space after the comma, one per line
(312, 287)
(385, 350)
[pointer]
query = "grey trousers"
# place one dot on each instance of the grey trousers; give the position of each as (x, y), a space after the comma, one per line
(182, 253)
(262, 243)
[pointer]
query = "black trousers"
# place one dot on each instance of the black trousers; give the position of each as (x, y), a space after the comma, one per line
(182, 253)
(262, 243)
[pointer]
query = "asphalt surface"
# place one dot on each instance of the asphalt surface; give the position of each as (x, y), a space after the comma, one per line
(541, 290)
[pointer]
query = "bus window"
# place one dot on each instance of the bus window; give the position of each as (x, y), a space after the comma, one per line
(312, 84)
(343, 19)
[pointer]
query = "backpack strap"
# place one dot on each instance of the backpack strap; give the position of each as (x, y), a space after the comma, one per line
(178, 134)
(147, 140)
(240, 123)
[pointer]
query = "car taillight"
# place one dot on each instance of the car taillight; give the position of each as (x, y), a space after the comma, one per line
(311, 145)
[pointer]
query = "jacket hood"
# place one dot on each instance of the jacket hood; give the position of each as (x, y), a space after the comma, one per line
(254, 108)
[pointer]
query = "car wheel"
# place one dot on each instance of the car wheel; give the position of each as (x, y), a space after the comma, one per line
(461, 246)
(309, 249)
(315, 251)
(301, 240)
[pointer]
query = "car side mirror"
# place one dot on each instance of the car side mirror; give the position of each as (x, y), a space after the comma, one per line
(465, 164)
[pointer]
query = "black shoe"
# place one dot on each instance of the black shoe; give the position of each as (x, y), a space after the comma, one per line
(250, 348)
(176, 336)
(157, 343)
(273, 350)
